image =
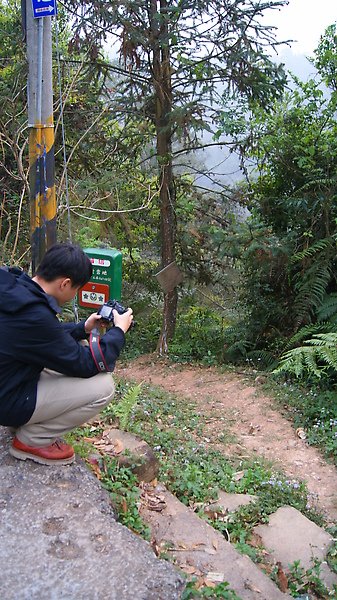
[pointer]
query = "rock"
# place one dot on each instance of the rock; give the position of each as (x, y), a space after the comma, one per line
(60, 539)
(260, 380)
(231, 502)
(136, 454)
(290, 537)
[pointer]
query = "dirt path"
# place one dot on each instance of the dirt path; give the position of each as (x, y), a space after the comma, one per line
(249, 423)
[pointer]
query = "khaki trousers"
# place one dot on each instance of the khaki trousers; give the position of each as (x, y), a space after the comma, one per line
(64, 403)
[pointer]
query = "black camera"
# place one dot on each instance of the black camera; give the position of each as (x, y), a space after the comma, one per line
(106, 311)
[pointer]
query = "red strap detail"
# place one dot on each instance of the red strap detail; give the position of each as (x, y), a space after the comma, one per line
(96, 351)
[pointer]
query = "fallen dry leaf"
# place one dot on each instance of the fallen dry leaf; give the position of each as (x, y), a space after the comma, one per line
(253, 429)
(124, 506)
(95, 467)
(253, 588)
(282, 579)
(188, 569)
(107, 447)
(256, 540)
(181, 546)
(210, 550)
(301, 433)
(216, 513)
(155, 547)
(209, 583)
(91, 440)
(118, 447)
(238, 475)
(104, 444)
(199, 583)
(152, 501)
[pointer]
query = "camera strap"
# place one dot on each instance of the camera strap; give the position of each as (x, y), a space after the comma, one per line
(96, 351)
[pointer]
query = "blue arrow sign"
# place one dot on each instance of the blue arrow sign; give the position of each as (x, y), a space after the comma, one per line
(44, 8)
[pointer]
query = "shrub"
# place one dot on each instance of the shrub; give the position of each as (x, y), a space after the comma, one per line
(199, 336)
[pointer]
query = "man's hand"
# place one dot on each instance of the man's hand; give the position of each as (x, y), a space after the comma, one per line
(123, 321)
(92, 322)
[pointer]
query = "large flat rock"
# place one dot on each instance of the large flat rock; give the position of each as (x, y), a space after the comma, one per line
(231, 502)
(290, 537)
(59, 539)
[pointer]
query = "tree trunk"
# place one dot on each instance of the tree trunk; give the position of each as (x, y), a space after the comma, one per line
(163, 99)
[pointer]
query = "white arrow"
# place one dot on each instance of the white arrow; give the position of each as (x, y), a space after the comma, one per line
(45, 9)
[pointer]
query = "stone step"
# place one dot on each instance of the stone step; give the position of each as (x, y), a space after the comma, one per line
(290, 536)
(196, 547)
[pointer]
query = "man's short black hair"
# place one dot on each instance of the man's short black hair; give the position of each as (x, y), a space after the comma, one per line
(65, 260)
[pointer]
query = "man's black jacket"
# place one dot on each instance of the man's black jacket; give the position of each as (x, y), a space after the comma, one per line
(32, 338)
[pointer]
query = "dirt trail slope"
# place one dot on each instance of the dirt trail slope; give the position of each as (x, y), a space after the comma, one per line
(231, 405)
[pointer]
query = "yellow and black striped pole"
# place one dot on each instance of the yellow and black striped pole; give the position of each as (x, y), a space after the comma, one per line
(41, 135)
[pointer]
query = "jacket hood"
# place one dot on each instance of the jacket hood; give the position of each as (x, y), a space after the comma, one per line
(18, 290)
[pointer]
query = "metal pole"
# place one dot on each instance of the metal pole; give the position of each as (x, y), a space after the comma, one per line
(41, 135)
(38, 115)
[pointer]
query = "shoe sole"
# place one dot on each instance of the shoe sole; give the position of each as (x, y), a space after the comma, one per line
(39, 459)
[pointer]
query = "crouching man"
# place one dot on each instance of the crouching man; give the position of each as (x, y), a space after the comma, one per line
(51, 383)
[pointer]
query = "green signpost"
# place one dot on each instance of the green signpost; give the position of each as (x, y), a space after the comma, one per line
(106, 281)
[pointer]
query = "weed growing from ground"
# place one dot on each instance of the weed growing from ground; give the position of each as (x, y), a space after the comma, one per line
(307, 581)
(332, 554)
(124, 408)
(122, 486)
(75, 439)
(191, 592)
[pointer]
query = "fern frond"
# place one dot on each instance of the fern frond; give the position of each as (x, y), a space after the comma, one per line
(311, 290)
(305, 333)
(298, 361)
(123, 409)
(329, 355)
(328, 308)
(314, 358)
(261, 358)
(324, 339)
(312, 250)
(310, 362)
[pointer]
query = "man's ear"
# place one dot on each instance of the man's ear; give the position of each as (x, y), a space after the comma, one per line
(65, 283)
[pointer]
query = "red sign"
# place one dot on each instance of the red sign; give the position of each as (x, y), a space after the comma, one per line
(93, 295)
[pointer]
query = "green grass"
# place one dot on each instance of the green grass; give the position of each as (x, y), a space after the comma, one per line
(219, 591)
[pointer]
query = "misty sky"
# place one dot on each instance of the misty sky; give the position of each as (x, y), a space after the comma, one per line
(303, 21)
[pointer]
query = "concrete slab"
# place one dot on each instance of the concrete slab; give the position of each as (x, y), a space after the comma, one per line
(290, 537)
(59, 539)
(231, 502)
(194, 544)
